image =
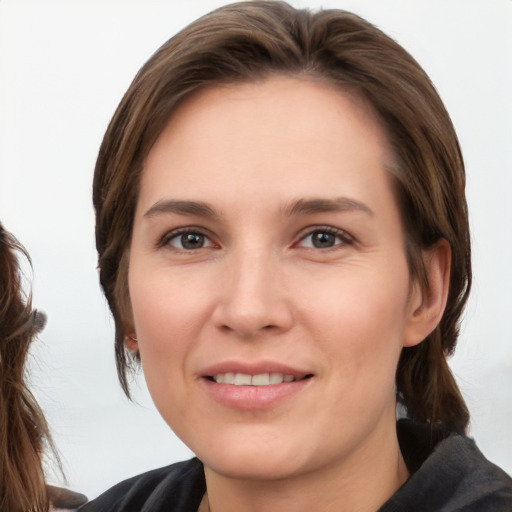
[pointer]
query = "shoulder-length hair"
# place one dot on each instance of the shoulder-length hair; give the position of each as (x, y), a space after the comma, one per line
(249, 41)
(23, 428)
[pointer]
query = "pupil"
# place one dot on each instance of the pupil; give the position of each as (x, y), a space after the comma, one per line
(322, 240)
(192, 240)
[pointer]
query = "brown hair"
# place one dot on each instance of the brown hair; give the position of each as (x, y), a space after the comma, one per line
(23, 428)
(247, 42)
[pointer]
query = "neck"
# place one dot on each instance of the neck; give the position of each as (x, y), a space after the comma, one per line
(361, 482)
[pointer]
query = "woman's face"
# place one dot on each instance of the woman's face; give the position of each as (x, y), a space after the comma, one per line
(269, 285)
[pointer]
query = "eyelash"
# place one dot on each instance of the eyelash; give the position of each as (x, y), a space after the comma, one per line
(345, 238)
(168, 237)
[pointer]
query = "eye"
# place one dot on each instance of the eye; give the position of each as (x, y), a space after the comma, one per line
(187, 240)
(324, 238)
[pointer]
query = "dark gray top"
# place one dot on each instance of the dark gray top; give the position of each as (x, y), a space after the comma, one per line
(448, 474)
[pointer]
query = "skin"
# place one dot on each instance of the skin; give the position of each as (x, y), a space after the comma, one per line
(256, 290)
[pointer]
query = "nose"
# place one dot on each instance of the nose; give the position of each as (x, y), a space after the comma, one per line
(253, 298)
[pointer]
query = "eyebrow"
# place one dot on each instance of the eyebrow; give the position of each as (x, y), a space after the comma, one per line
(298, 207)
(312, 206)
(196, 208)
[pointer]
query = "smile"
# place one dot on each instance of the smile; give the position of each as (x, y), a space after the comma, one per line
(254, 388)
(245, 379)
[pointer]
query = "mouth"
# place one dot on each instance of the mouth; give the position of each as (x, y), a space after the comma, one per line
(260, 379)
(255, 387)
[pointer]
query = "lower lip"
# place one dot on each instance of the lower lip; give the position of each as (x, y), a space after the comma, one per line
(254, 397)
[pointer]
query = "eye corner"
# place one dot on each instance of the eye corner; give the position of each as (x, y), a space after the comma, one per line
(324, 238)
(186, 240)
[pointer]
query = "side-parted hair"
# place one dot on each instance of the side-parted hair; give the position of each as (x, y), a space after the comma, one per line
(23, 428)
(247, 42)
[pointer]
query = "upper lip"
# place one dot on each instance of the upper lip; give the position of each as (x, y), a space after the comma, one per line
(253, 368)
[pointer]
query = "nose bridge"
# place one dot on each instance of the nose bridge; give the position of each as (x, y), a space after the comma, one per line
(253, 298)
(252, 272)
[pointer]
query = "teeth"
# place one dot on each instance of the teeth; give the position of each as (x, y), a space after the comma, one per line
(276, 378)
(244, 379)
(229, 378)
(261, 380)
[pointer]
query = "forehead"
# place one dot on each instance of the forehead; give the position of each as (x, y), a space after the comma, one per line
(262, 101)
(267, 136)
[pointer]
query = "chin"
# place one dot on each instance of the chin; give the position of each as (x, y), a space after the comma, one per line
(255, 457)
(252, 466)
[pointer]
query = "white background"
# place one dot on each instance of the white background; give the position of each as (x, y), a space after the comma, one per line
(64, 66)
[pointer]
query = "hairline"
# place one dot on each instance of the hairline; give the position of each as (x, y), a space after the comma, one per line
(355, 94)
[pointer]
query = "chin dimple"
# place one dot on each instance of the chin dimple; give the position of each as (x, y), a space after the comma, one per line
(244, 379)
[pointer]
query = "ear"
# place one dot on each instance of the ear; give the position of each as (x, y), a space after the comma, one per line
(427, 304)
(131, 342)
(130, 333)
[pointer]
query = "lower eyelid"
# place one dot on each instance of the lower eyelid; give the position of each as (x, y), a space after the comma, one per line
(343, 237)
(165, 240)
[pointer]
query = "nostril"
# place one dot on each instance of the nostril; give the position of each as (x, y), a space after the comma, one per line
(248, 318)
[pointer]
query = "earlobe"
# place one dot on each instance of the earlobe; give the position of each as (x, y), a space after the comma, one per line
(427, 304)
(131, 342)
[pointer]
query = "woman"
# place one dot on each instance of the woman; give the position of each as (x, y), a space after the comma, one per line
(23, 431)
(24, 427)
(283, 241)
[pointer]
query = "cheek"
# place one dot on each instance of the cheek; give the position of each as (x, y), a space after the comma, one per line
(165, 326)
(362, 321)
(168, 311)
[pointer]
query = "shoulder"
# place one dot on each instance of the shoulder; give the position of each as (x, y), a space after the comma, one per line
(64, 499)
(176, 487)
(449, 474)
